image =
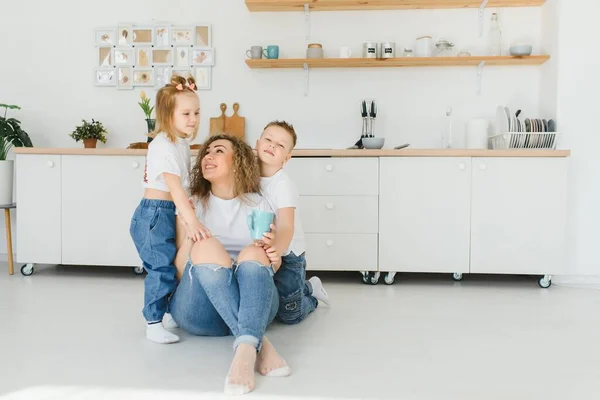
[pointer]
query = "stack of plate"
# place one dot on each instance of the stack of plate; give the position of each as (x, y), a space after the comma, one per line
(515, 133)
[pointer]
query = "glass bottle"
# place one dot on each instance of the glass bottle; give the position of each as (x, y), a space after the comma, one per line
(495, 38)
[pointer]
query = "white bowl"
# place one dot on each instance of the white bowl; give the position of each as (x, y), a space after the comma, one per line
(521, 50)
(373, 142)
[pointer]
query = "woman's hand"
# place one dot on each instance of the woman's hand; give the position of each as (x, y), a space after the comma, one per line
(197, 231)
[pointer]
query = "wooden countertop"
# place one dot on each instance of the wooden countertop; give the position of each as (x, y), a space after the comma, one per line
(323, 152)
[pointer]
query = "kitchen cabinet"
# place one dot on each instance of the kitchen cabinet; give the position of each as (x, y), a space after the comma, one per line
(518, 215)
(39, 208)
(424, 214)
(100, 194)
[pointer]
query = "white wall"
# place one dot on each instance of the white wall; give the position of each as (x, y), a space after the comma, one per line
(46, 67)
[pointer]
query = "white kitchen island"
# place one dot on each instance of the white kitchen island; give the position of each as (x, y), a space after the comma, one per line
(444, 211)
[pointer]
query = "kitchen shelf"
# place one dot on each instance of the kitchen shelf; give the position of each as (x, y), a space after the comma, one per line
(341, 5)
(396, 62)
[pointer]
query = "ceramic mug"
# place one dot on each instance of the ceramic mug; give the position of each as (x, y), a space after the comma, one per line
(256, 52)
(259, 223)
(273, 52)
(345, 52)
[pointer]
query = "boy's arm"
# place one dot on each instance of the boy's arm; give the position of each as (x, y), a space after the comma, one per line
(285, 228)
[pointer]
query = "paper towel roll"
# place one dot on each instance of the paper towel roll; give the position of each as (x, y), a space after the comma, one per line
(477, 134)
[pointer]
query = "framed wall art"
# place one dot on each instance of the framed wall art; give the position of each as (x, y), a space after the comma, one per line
(203, 56)
(125, 77)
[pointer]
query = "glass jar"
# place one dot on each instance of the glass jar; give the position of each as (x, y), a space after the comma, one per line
(408, 53)
(444, 48)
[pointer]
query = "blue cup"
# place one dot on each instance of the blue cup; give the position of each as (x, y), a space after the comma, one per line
(259, 223)
(272, 52)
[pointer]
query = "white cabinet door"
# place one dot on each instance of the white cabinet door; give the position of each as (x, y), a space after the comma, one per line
(38, 208)
(519, 215)
(424, 208)
(335, 176)
(341, 252)
(339, 214)
(100, 194)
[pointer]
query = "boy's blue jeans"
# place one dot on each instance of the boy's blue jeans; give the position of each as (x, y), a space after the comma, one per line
(153, 232)
(295, 293)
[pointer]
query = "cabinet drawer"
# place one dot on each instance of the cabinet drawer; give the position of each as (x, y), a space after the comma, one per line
(339, 214)
(335, 176)
(341, 252)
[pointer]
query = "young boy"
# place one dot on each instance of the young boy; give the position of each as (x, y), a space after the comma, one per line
(297, 297)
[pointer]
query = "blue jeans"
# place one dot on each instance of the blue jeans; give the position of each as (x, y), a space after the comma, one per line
(212, 300)
(153, 232)
(295, 293)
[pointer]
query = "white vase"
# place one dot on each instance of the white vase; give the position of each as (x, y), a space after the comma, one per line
(6, 182)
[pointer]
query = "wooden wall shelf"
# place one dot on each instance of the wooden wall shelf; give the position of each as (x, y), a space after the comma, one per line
(396, 62)
(341, 5)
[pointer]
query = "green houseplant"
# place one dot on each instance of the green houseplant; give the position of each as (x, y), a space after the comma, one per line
(145, 106)
(11, 135)
(90, 133)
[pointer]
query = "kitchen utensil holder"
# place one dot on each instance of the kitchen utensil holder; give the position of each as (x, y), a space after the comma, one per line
(525, 140)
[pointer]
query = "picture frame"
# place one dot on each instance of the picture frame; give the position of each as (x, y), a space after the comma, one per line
(124, 35)
(125, 77)
(183, 72)
(143, 57)
(105, 57)
(143, 77)
(105, 77)
(204, 56)
(162, 36)
(105, 36)
(123, 56)
(162, 76)
(182, 35)
(203, 77)
(143, 36)
(162, 56)
(203, 35)
(182, 56)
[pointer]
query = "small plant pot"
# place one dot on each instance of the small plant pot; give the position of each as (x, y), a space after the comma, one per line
(90, 143)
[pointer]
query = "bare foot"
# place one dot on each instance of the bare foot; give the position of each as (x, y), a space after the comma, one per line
(240, 379)
(270, 363)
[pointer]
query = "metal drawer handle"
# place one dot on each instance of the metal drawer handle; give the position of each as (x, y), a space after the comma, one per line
(50, 164)
(330, 206)
(135, 165)
(482, 166)
(329, 167)
(329, 243)
(462, 166)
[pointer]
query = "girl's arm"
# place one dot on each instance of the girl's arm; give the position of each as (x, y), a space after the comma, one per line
(196, 229)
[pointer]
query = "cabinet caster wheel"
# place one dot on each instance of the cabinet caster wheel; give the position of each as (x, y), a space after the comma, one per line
(457, 277)
(370, 277)
(389, 278)
(138, 270)
(545, 281)
(27, 269)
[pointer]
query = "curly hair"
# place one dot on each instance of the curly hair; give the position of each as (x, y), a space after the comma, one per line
(165, 104)
(246, 173)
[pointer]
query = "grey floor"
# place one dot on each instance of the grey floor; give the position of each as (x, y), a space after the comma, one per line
(425, 337)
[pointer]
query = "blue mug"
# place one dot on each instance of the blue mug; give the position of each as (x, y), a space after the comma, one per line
(259, 223)
(272, 52)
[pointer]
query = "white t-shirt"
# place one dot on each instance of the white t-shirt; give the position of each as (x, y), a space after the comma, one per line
(281, 192)
(166, 156)
(227, 220)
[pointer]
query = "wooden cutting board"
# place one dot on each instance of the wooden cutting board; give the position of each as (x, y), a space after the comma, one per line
(234, 125)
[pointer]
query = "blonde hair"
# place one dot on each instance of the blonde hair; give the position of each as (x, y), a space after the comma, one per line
(289, 128)
(166, 99)
(246, 174)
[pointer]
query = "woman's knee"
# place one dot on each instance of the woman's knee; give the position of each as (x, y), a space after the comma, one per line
(210, 251)
(254, 253)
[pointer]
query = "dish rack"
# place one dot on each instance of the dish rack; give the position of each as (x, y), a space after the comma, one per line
(524, 140)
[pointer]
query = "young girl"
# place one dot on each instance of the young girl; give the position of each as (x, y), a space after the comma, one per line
(166, 181)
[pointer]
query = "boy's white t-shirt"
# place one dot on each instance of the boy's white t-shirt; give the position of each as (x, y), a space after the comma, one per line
(227, 220)
(166, 156)
(281, 192)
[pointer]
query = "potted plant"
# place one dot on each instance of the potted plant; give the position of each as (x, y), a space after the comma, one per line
(90, 133)
(11, 134)
(150, 122)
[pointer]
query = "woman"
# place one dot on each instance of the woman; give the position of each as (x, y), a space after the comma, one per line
(226, 281)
